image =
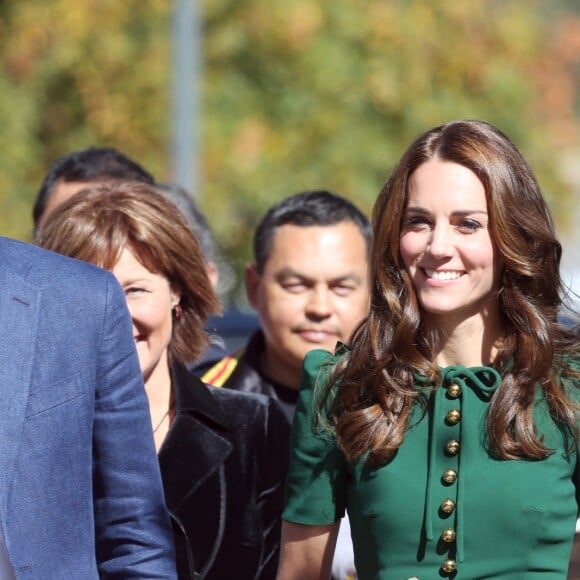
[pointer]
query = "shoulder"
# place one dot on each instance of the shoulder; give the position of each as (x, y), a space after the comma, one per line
(316, 358)
(63, 288)
(241, 406)
(252, 417)
(319, 363)
(220, 372)
(193, 392)
(239, 370)
(46, 269)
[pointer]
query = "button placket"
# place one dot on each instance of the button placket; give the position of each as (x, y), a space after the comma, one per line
(451, 401)
(449, 454)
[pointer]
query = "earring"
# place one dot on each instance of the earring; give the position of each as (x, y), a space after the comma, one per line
(178, 311)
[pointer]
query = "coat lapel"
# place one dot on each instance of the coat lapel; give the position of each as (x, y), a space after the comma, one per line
(19, 315)
(196, 445)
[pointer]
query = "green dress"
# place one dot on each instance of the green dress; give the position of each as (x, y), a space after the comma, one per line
(443, 507)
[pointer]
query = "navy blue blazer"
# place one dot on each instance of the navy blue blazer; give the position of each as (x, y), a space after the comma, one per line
(80, 489)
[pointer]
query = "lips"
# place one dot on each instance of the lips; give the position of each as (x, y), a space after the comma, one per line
(317, 335)
(443, 275)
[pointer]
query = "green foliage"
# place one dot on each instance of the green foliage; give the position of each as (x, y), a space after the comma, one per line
(297, 94)
(74, 74)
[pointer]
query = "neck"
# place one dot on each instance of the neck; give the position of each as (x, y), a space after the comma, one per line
(279, 371)
(158, 389)
(158, 384)
(473, 341)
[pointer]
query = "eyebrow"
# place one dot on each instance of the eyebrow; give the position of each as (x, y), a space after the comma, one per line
(134, 280)
(291, 273)
(456, 213)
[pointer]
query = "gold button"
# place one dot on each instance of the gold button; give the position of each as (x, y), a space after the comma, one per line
(452, 447)
(454, 391)
(449, 476)
(454, 416)
(447, 505)
(448, 535)
(449, 566)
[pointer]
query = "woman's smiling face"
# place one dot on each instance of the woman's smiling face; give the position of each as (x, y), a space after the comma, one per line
(150, 300)
(446, 244)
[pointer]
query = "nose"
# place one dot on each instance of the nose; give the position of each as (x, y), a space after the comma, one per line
(441, 242)
(319, 304)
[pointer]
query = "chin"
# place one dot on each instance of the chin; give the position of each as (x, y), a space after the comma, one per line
(439, 310)
(455, 310)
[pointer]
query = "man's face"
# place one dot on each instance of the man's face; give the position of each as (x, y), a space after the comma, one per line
(312, 293)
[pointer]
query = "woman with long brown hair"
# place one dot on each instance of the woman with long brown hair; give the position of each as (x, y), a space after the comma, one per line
(448, 429)
(223, 454)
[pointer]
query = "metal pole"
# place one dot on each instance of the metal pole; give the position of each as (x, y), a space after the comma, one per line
(186, 72)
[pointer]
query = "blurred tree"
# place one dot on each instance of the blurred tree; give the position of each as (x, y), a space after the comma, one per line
(310, 94)
(73, 74)
(298, 94)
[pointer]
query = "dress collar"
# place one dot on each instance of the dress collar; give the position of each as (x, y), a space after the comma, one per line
(483, 380)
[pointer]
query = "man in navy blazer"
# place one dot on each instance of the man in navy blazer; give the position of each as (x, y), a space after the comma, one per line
(80, 490)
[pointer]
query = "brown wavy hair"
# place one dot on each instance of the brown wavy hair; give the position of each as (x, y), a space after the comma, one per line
(98, 223)
(370, 413)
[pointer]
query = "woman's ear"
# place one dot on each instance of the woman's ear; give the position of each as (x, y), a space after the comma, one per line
(175, 297)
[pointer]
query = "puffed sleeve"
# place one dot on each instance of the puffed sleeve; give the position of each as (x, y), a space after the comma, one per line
(316, 483)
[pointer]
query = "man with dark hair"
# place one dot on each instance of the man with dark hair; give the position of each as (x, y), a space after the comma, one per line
(80, 169)
(309, 286)
(309, 208)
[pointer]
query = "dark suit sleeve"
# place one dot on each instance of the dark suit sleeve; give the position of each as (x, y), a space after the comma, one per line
(133, 537)
(271, 493)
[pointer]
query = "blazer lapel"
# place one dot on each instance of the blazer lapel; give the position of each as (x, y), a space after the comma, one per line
(196, 445)
(19, 315)
(190, 454)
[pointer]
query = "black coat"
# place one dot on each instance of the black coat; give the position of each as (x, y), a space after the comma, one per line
(223, 463)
